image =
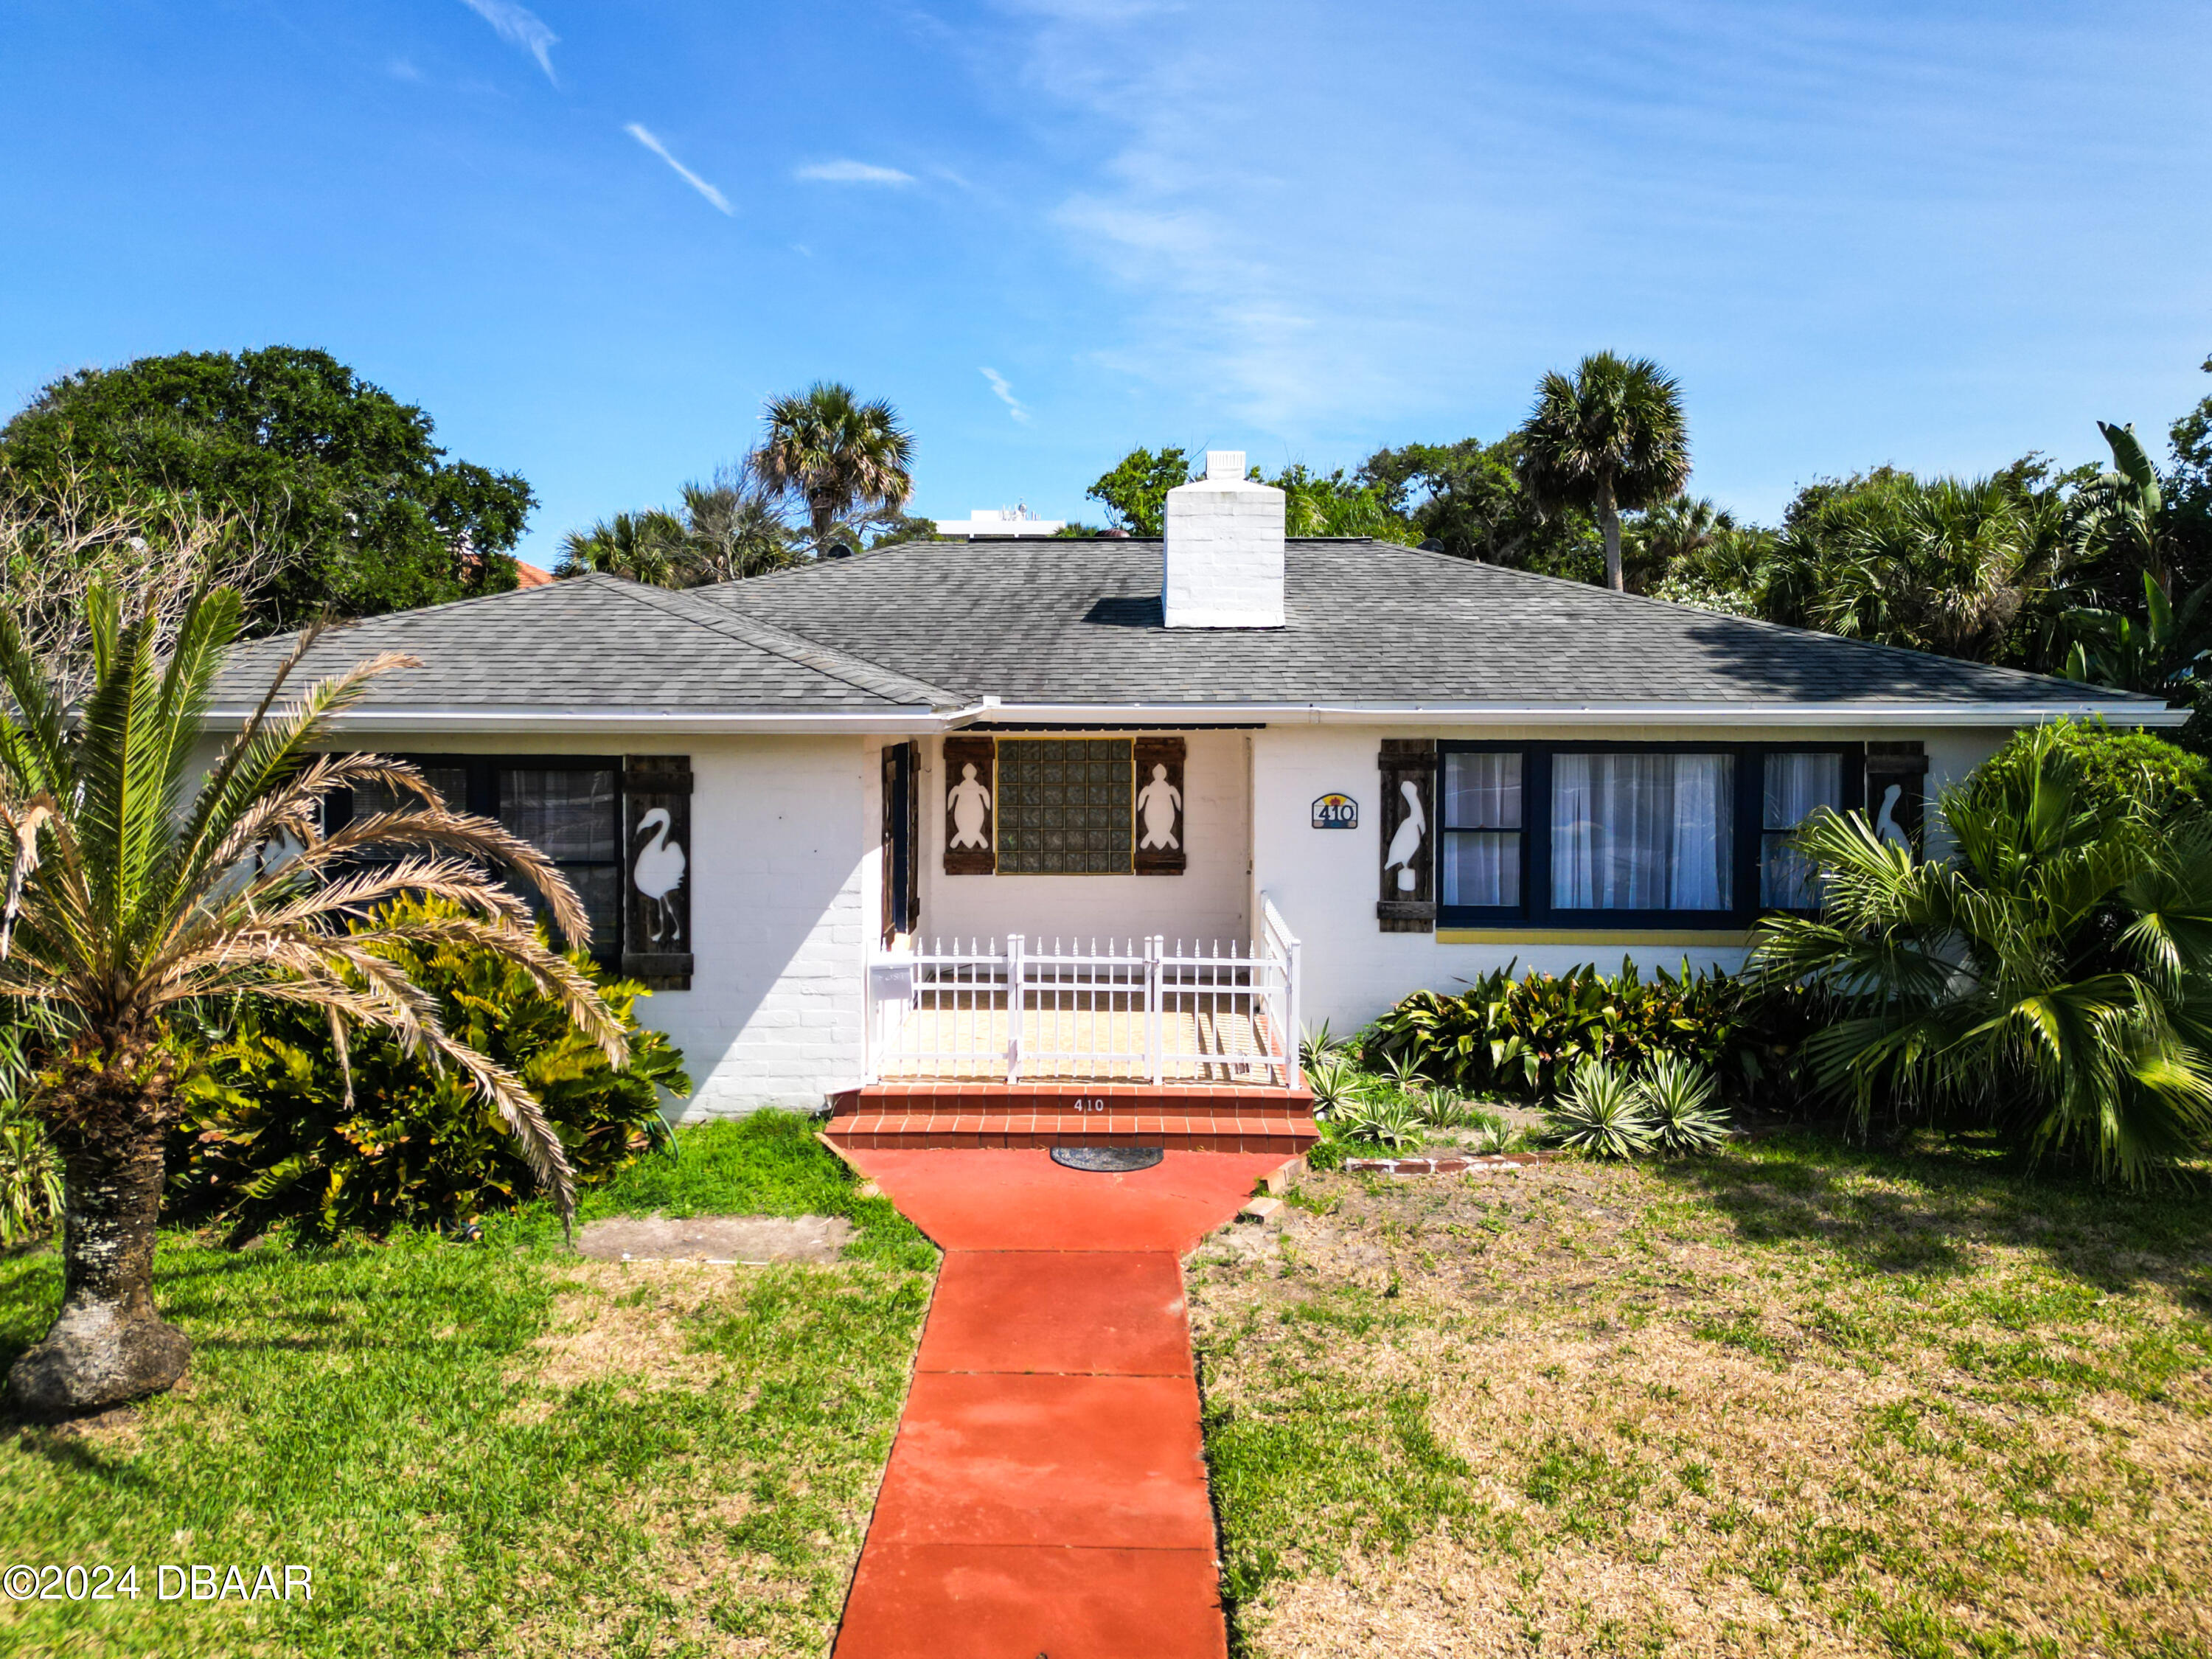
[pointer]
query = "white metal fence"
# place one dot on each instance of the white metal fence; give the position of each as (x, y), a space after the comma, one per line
(1128, 1010)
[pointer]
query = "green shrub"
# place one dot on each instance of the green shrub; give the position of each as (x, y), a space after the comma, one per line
(268, 1135)
(1518, 1038)
(1382, 1119)
(2128, 772)
(1601, 1111)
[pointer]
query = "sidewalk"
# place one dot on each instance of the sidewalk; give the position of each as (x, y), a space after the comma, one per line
(1047, 1492)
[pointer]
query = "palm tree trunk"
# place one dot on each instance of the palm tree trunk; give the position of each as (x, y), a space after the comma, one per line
(1609, 518)
(109, 1343)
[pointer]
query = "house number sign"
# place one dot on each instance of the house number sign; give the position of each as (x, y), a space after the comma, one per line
(1335, 812)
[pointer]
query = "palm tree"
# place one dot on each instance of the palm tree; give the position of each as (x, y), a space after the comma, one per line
(734, 527)
(840, 454)
(2055, 975)
(144, 886)
(1608, 439)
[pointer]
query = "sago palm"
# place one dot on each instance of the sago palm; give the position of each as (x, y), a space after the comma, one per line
(840, 454)
(2053, 975)
(145, 883)
(1609, 439)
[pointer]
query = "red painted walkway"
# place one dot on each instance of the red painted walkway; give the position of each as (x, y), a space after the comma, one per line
(1047, 1490)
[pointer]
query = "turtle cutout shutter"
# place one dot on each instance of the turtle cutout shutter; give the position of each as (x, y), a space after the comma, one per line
(1408, 896)
(1162, 846)
(657, 870)
(970, 806)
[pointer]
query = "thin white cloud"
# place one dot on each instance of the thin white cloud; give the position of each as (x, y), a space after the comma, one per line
(401, 69)
(1014, 406)
(521, 26)
(645, 137)
(852, 172)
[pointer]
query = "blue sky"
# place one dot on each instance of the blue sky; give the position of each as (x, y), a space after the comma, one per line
(590, 238)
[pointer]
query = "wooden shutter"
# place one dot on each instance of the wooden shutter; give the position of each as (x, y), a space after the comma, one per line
(657, 870)
(1408, 906)
(1167, 753)
(1903, 766)
(902, 865)
(962, 751)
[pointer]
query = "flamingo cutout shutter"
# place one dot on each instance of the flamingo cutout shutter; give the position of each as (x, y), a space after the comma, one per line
(657, 870)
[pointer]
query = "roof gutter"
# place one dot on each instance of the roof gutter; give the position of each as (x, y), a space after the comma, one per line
(671, 721)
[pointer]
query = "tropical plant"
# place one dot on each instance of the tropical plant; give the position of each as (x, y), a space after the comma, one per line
(734, 527)
(1518, 1037)
(1608, 438)
(2160, 653)
(1679, 1100)
(2120, 517)
(1602, 1112)
(143, 887)
(644, 547)
(838, 454)
(2052, 977)
(2127, 772)
(30, 1176)
(281, 1125)
(1317, 1044)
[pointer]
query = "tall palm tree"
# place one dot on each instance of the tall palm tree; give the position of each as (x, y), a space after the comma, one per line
(143, 886)
(840, 454)
(2055, 975)
(1609, 439)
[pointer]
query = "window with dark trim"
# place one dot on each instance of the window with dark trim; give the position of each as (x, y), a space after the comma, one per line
(1621, 836)
(569, 807)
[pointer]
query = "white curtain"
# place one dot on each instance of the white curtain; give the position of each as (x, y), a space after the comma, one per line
(1641, 831)
(1482, 823)
(1796, 785)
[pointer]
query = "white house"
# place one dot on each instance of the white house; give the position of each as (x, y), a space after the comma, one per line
(1078, 829)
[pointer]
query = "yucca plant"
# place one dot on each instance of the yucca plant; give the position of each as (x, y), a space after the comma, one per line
(1316, 1046)
(1679, 1102)
(144, 884)
(1387, 1120)
(1335, 1086)
(2054, 974)
(1602, 1112)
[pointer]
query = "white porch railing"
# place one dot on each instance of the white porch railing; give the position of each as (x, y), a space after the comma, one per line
(1126, 1010)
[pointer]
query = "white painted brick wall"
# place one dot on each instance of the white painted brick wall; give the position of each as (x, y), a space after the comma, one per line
(1223, 564)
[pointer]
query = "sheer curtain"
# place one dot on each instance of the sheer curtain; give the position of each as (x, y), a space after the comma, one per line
(1482, 830)
(1641, 831)
(1796, 785)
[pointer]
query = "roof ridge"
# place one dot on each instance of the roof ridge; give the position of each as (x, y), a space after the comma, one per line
(857, 672)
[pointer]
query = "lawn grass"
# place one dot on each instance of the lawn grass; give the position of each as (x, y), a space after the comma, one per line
(1794, 1399)
(493, 1447)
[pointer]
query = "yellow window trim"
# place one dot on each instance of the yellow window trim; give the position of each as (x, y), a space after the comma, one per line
(1734, 938)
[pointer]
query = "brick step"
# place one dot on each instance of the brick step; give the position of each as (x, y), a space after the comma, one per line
(1169, 1099)
(947, 1125)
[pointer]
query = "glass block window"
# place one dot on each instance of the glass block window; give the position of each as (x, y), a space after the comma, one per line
(1065, 805)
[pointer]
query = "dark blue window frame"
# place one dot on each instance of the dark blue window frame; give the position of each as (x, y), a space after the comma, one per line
(1535, 909)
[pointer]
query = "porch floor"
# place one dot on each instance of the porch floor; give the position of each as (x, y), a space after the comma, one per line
(1090, 1043)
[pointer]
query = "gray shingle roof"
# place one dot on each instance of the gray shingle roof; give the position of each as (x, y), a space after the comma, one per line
(591, 642)
(1077, 620)
(933, 625)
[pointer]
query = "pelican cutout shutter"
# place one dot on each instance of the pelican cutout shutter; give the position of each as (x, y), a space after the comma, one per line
(976, 853)
(1407, 897)
(1903, 766)
(657, 870)
(1160, 811)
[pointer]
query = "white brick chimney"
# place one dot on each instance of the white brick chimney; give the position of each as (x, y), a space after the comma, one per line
(1224, 566)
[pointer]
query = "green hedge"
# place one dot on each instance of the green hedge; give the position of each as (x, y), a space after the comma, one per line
(1517, 1038)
